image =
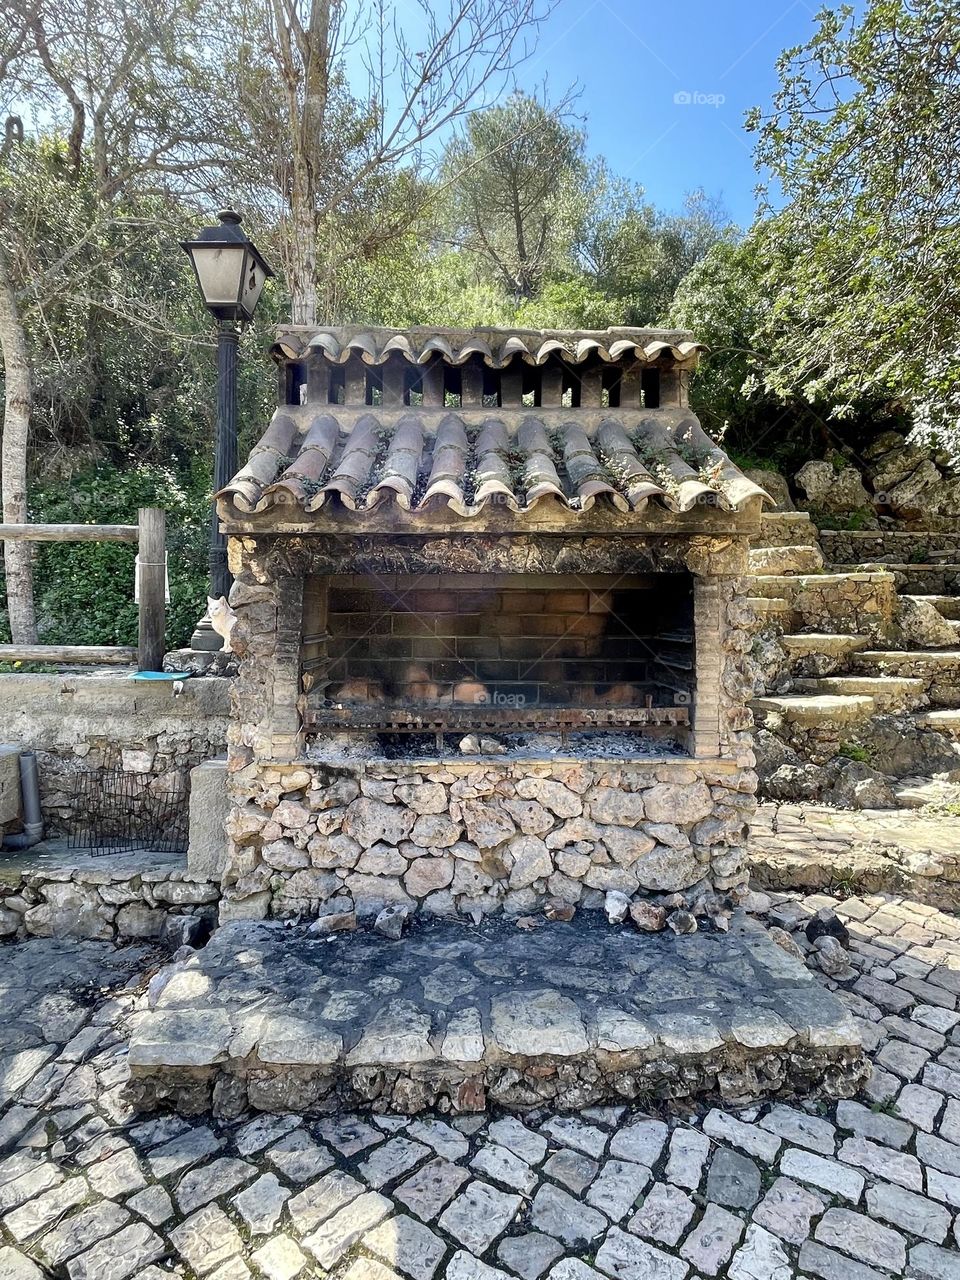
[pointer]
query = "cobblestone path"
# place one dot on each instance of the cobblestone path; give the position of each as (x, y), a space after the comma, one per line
(850, 1191)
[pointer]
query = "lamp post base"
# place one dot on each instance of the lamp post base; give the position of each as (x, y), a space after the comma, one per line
(204, 638)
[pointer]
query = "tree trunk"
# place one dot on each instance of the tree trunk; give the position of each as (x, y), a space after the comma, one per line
(18, 556)
(303, 251)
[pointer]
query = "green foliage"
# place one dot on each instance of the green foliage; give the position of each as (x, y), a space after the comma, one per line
(850, 523)
(863, 264)
(84, 590)
(508, 176)
(855, 751)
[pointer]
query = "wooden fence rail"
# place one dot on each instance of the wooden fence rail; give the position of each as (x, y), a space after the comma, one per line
(150, 535)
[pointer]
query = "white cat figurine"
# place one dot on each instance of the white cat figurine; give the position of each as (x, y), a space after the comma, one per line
(222, 619)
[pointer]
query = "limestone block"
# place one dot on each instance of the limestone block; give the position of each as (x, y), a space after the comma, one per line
(371, 821)
(666, 803)
(70, 911)
(137, 920)
(836, 492)
(209, 810)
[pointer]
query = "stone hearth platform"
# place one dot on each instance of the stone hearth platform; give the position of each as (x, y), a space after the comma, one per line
(459, 1019)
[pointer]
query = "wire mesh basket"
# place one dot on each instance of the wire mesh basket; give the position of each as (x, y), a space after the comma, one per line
(120, 811)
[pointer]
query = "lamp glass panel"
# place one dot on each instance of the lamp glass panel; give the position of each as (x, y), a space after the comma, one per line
(219, 269)
(254, 278)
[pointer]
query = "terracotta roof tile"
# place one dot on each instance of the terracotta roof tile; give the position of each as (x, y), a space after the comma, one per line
(497, 347)
(467, 459)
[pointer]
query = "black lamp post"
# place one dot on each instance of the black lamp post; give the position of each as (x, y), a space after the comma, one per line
(231, 272)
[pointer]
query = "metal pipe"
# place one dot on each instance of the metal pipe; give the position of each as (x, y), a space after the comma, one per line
(32, 832)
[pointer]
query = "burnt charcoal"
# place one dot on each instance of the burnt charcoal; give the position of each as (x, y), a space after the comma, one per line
(827, 924)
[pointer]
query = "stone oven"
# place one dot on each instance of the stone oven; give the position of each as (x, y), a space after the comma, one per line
(491, 627)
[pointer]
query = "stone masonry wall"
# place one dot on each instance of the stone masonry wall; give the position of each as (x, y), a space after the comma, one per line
(897, 547)
(470, 838)
(115, 905)
(78, 723)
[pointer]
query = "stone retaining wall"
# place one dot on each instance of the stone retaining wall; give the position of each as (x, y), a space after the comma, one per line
(78, 723)
(112, 904)
(471, 838)
(862, 604)
(866, 547)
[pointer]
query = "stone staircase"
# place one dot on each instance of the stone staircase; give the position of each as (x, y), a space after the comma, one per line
(842, 684)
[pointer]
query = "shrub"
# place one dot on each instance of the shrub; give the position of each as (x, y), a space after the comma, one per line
(84, 590)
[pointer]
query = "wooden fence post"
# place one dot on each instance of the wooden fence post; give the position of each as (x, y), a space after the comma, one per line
(153, 577)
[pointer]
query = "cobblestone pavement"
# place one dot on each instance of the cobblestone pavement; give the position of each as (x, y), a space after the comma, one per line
(851, 1191)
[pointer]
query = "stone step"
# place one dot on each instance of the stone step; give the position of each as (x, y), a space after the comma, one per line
(939, 669)
(843, 603)
(479, 1018)
(814, 711)
(789, 585)
(914, 793)
(818, 653)
(772, 611)
(949, 606)
(912, 579)
(943, 719)
(787, 560)
(822, 643)
(889, 693)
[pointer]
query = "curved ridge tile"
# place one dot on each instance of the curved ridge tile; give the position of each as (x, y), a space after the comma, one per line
(546, 349)
(494, 481)
(623, 347)
(399, 342)
(586, 347)
(476, 347)
(585, 471)
(401, 467)
(328, 344)
(363, 345)
(298, 483)
(540, 477)
(514, 346)
(437, 344)
(682, 488)
(447, 474)
(266, 458)
(624, 462)
(355, 463)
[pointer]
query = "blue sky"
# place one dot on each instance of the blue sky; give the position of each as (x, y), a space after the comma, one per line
(631, 60)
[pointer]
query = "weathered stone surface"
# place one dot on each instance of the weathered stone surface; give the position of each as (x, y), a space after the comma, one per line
(558, 1214)
(664, 1216)
(407, 1245)
(788, 1209)
(478, 1215)
(609, 805)
(537, 1023)
(668, 803)
(428, 1191)
(371, 821)
(341, 1232)
(210, 807)
(531, 861)
(625, 1256)
(867, 1241)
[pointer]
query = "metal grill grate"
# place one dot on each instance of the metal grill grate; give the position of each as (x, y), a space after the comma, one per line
(122, 812)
